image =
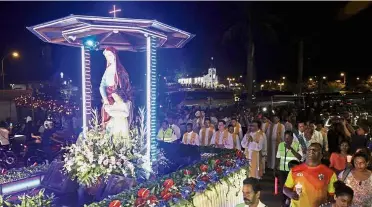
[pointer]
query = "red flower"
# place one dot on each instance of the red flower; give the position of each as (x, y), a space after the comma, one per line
(204, 168)
(165, 191)
(228, 163)
(217, 162)
(187, 172)
(218, 169)
(239, 154)
(140, 202)
(152, 199)
(178, 195)
(167, 196)
(192, 185)
(143, 193)
(205, 178)
(168, 183)
(115, 203)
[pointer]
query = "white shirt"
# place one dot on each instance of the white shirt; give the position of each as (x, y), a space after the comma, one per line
(229, 143)
(177, 130)
(187, 138)
(254, 146)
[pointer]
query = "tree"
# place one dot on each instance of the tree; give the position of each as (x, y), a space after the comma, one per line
(334, 86)
(254, 24)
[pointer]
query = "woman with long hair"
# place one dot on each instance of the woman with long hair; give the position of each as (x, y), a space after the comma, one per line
(338, 159)
(359, 178)
(335, 135)
(115, 78)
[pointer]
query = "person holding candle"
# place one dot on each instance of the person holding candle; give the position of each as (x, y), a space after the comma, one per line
(339, 159)
(311, 183)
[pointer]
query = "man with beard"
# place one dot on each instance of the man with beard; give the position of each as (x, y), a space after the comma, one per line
(251, 193)
(311, 183)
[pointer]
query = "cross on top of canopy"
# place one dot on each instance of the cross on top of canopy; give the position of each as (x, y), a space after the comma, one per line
(122, 33)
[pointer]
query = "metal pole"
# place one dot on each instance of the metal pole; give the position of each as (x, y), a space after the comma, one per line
(2, 71)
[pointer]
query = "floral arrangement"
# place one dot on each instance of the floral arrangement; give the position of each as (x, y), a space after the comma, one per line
(40, 199)
(178, 188)
(97, 156)
(21, 173)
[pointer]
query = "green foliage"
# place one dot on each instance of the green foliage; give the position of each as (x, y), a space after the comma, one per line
(38, 200)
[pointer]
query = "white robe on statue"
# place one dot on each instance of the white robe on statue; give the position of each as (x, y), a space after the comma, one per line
(118, 123)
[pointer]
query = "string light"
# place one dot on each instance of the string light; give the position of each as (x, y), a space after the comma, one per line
(50, 105)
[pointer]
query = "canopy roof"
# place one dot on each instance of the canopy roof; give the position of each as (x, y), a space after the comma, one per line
(121, 33)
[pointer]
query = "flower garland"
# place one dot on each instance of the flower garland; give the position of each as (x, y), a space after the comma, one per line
(21, 173)
(180, 187)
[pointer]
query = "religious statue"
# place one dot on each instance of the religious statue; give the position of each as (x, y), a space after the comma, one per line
(115, 89)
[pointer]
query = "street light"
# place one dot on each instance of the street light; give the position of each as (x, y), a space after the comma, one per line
(324, 77)
(262, 85)
(14, 55)
(357, 78)
(283, 77)
(343, 75)
(310, 79)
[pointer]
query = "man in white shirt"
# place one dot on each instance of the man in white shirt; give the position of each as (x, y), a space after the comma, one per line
(251, 193)
(174, 127)
(222, 138)
(190, 137)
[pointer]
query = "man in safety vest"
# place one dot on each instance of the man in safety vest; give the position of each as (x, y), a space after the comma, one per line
(166, 134)
(287, 151)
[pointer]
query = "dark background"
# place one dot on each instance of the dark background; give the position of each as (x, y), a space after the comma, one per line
(332, 45)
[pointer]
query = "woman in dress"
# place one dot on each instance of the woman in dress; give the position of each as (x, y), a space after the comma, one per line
(343, 196)
(359, 178)
(115, 78)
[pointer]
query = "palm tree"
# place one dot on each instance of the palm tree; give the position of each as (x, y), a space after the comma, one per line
(254, 23)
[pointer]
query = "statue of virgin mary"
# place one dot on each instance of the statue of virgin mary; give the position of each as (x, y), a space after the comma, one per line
(116, 92)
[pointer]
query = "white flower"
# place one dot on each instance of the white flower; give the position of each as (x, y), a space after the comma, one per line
(105, 162)
(112, 160)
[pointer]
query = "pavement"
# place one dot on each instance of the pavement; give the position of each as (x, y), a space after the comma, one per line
(267, 194)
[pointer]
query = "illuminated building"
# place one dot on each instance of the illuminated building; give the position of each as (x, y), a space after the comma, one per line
(209, 80)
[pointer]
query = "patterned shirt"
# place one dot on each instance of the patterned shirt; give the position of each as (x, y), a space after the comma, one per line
(317, 183)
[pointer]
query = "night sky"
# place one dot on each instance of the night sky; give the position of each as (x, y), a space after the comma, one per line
(331, 45)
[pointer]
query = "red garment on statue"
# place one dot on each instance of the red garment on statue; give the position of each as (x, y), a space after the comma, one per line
(105, 116)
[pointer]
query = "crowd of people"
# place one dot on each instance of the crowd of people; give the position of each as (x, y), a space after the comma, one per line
(316, 165)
